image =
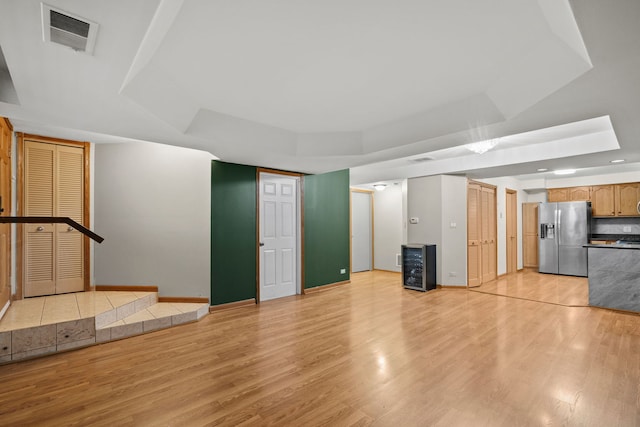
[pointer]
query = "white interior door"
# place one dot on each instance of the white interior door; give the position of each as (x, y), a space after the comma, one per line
(278, 236)
(361, 231)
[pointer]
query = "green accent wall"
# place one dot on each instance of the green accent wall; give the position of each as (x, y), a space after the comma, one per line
(233, 232)
(326, 228)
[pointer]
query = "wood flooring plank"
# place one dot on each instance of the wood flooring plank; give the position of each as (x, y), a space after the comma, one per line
(366, 353)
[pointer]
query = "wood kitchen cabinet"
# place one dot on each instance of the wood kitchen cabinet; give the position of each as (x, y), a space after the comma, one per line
(627, 197)
(557, 195)
(616, 199)
(570, 194)
(603, 200)
(579, 194)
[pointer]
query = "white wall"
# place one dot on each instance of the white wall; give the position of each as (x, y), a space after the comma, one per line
(153, 207)
(536, 196)
(437, 202)
(424, 197)
(387, 227)
(454, 231)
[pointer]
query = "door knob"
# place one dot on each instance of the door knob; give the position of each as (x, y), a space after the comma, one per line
(70, 229)
(261, 244)
(40, 228)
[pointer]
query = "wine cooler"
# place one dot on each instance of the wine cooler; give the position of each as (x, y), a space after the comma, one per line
(419, 267)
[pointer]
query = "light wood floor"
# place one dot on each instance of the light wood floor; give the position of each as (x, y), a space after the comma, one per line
(551, 288)
(368, 353)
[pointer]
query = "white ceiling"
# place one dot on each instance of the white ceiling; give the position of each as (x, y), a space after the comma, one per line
(325, 85)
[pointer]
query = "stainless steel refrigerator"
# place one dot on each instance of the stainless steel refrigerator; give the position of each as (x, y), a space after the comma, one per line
(564, 228)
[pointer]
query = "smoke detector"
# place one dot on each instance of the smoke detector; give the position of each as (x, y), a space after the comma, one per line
(68, 30)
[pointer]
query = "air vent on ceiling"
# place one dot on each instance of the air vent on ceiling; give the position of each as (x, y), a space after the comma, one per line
(68, 30)
(421, 159)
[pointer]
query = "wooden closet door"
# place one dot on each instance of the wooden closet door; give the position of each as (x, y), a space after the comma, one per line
(473, 236)
(512, 230)
(5, 210)
(39, 275)
(484, 234)
(530, 234)
(69, 191)
(490, 255)
(54, 186)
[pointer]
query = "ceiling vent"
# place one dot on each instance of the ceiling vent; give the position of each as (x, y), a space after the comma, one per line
(68, 30)
(421, 159)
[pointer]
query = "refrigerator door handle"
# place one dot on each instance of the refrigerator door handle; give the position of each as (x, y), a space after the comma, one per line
(543, 230)
(559, 226)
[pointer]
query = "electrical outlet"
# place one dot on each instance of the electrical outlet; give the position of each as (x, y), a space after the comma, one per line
(343, 271)
(626, 229)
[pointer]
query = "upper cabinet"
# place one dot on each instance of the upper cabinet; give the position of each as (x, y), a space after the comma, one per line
(557, 195)
(603, 200)
(571, 194)
(606, 200)
(579, 194)
(627, 197)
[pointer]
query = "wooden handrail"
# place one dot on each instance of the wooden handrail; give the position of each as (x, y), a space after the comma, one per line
(49, 220)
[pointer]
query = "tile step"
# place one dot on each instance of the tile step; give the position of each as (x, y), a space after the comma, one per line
(99, 317)
(157, 316)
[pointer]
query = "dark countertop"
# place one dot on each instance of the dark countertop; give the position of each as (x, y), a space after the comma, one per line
(626, 246)
(627, 237)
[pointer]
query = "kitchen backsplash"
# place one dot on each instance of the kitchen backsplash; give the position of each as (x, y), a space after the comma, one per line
(615, 226)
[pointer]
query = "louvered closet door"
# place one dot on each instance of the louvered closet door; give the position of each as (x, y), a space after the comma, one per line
(54, 186)
(39, 201)
(69, 193)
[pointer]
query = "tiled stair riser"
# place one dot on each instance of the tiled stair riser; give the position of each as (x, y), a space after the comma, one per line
(34, 341)
(140, 316)
(76, 333)
(45, 339)
(157, 316)
(111, 316)
(5, 347)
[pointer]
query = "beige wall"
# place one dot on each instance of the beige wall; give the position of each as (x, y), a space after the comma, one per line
(152, 206)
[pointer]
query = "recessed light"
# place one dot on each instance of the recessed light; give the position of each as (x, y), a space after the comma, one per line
(542, 169)
(564, 172)
(379, 187)
(617, 161)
